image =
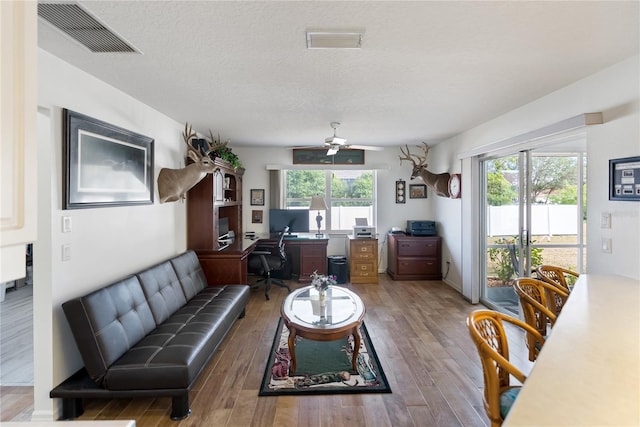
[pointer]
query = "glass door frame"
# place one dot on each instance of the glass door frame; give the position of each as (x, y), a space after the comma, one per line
(523, 249)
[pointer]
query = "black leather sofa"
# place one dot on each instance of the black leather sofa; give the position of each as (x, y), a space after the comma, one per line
(150, 334)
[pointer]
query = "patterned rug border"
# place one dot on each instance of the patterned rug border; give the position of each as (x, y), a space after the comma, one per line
(366, 341)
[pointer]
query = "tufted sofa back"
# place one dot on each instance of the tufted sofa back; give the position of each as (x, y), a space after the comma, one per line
(108, 322)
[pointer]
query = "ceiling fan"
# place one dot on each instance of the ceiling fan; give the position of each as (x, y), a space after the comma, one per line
(334, 143)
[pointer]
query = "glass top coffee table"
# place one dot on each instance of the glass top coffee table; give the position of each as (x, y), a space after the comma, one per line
(340, 314)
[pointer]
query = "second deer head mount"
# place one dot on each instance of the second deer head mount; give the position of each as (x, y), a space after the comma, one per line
(173, 184)
(438, 182)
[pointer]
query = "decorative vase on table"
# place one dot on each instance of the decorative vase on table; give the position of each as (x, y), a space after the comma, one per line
(322, 283)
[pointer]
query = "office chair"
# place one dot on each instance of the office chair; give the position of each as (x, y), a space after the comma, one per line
(266, 259)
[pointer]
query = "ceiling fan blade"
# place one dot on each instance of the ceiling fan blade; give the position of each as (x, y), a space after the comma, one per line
(319, 147)
(365, 147)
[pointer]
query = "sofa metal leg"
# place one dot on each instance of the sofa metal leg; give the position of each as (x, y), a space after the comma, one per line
(71, 408)
(244, 313)
(180, 407)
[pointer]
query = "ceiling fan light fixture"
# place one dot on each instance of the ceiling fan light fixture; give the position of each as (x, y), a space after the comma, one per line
(332, 151)
(335, 140)
(334, 39)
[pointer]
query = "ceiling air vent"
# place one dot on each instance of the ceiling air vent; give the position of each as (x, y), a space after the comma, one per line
(334, 40)
(76, 23)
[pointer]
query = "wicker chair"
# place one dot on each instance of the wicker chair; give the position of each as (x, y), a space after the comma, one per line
(556, 275)
(486, 328)
(541, 303)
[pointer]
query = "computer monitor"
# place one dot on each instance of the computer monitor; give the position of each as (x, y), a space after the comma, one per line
(223, 228)
(296, 219)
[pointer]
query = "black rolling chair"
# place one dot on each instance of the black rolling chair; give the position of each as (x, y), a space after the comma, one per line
(266, 259)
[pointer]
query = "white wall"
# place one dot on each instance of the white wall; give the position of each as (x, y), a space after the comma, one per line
(106, 243)
(615, 92)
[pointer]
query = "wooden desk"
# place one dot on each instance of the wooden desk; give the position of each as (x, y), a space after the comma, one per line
(229, 265)
(306, 254)
(588, 372)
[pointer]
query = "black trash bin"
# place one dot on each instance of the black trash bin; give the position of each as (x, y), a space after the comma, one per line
(339, 267)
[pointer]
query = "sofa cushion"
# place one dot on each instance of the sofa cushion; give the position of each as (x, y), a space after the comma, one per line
(162, 289)
(108, 322)
(173, 355)
(189, 272)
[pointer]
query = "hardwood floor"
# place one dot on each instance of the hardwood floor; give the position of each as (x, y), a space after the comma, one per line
(418, 330)
(16, 337)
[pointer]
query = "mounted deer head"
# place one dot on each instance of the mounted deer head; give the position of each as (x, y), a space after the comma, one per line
(173, 184)
(437, 182)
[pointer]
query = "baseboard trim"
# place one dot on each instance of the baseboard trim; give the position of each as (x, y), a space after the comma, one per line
(42, 416)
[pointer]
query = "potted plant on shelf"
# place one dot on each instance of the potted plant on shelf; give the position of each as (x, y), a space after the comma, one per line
(214, 148)
(228, 155)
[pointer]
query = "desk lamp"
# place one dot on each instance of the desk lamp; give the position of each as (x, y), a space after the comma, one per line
(318, 204)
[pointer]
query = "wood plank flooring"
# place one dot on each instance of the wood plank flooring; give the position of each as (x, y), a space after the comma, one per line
(16, 337)
(418, 330)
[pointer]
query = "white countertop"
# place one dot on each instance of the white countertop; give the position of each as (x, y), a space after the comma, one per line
(588, 372)
(114, 423)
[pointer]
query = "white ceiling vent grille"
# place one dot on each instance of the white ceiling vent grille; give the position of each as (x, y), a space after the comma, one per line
(334, 40)
(76, 23)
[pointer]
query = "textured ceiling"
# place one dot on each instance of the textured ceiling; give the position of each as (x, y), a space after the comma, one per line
(427, 69)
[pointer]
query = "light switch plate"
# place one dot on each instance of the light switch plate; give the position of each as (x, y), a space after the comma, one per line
(606, 245)
(66, 252)
(605, 220)
(66, 224)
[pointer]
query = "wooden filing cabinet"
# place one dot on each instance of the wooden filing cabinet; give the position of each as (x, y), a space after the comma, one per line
(414, 257)
(363, 260)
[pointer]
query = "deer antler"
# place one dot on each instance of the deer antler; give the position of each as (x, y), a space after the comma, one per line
(216, 145)
(187, 135)
(426, 149)
(409, 156)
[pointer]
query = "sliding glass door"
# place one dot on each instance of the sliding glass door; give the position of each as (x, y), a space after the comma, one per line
(534, 213)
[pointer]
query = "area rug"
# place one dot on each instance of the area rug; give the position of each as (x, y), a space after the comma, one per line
(323, 367)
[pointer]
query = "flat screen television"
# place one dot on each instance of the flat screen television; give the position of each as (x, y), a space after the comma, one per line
(296, 219)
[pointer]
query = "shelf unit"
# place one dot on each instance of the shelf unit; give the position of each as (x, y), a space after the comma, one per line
(218, 195)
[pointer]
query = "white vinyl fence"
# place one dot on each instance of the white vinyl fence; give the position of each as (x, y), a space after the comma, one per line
(546, 220)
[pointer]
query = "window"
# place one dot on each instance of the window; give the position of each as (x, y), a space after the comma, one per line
(349, 194)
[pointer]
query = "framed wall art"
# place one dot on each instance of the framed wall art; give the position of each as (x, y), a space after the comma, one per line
(624, 179)
(256, 217)
(105, 165)
(417, 191)
(318, 156)
(257, 197)
(401, 191)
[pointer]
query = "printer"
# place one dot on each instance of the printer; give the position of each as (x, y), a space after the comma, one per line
(362, 231)
(421, 228)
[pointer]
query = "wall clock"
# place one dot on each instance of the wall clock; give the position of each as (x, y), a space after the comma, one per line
(455, 186)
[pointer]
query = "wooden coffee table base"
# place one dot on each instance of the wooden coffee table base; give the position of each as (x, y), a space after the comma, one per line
(320, 335)
(307, 320)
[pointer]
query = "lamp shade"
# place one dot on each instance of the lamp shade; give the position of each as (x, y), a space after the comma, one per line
(317, 204)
